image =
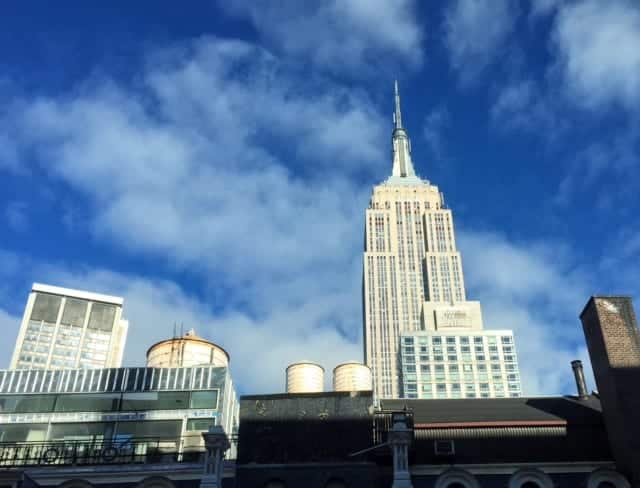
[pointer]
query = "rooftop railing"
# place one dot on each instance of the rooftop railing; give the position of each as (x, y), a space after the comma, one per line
(144, 450)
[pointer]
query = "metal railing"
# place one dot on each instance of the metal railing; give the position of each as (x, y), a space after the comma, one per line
(108, 451)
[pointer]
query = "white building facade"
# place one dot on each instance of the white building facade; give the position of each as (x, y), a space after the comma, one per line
(64, 328)
(413, 280)
(482, 364)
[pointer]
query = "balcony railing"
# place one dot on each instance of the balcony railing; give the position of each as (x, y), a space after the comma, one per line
(114, 451)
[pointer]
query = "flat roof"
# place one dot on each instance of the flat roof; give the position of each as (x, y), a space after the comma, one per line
(69, 292)
(459, 331)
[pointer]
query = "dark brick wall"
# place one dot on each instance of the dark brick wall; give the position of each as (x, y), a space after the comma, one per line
(613, 340)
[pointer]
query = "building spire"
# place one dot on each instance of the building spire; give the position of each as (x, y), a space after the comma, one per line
(402, 164)
(397, 115)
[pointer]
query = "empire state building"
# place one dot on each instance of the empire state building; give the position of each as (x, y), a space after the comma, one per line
(422, 337)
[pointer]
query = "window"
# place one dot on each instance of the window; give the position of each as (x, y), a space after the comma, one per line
(161, 400)
(99, 402)
(163, 429)
(46, 307)
(411, 368)
(81, 431)
(451, 340)
(407, 340)
(26, 403)
(74, 312)
(424, 358)
(477, 340)
(464, 340)
(204, 399)
(425, 368)
(23, 432)
(436, 340)
(102, 316)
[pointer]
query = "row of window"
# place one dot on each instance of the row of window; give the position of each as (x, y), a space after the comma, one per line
(112, 379)
(98, 431)
(47, 306)
(449, 340)
(109, 402)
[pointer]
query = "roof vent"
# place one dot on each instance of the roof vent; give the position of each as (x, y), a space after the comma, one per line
(444, 448)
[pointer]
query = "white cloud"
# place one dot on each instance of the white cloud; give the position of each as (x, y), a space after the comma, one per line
(521, 105)
(606, 165)
(475, 34)
(225, 167)
(189, 164)
(597, 45)
(339, 36)
(536, 290)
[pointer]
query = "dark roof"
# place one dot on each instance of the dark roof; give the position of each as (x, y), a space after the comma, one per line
(535, 409)
(320, 394)
(582, 436)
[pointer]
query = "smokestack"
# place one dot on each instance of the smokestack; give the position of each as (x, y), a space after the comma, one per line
(581, 383)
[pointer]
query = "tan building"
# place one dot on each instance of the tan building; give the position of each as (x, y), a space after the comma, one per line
(65, 328)
(188, 350)
(413, 278)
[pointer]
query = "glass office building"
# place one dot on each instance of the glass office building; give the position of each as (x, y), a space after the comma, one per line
(475, 364)
(65, 328)
(172, 405)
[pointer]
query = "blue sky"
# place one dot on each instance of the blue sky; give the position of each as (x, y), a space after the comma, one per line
(212, 164)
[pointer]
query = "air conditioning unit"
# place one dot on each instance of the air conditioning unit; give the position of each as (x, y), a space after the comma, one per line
(444, 447)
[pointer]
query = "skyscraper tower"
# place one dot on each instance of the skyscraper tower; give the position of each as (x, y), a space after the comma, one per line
(413, 280)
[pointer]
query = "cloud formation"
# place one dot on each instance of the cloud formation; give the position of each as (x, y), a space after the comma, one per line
(475, 34)
(597, 46)
(338, 36)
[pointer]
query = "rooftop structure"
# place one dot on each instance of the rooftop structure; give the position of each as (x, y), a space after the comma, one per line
(66, 328)
(188, 350)
(305, 377)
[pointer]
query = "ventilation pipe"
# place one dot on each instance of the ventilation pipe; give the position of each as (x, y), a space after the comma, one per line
(581, 384)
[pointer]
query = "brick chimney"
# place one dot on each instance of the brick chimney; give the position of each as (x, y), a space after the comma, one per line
(613, 340)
